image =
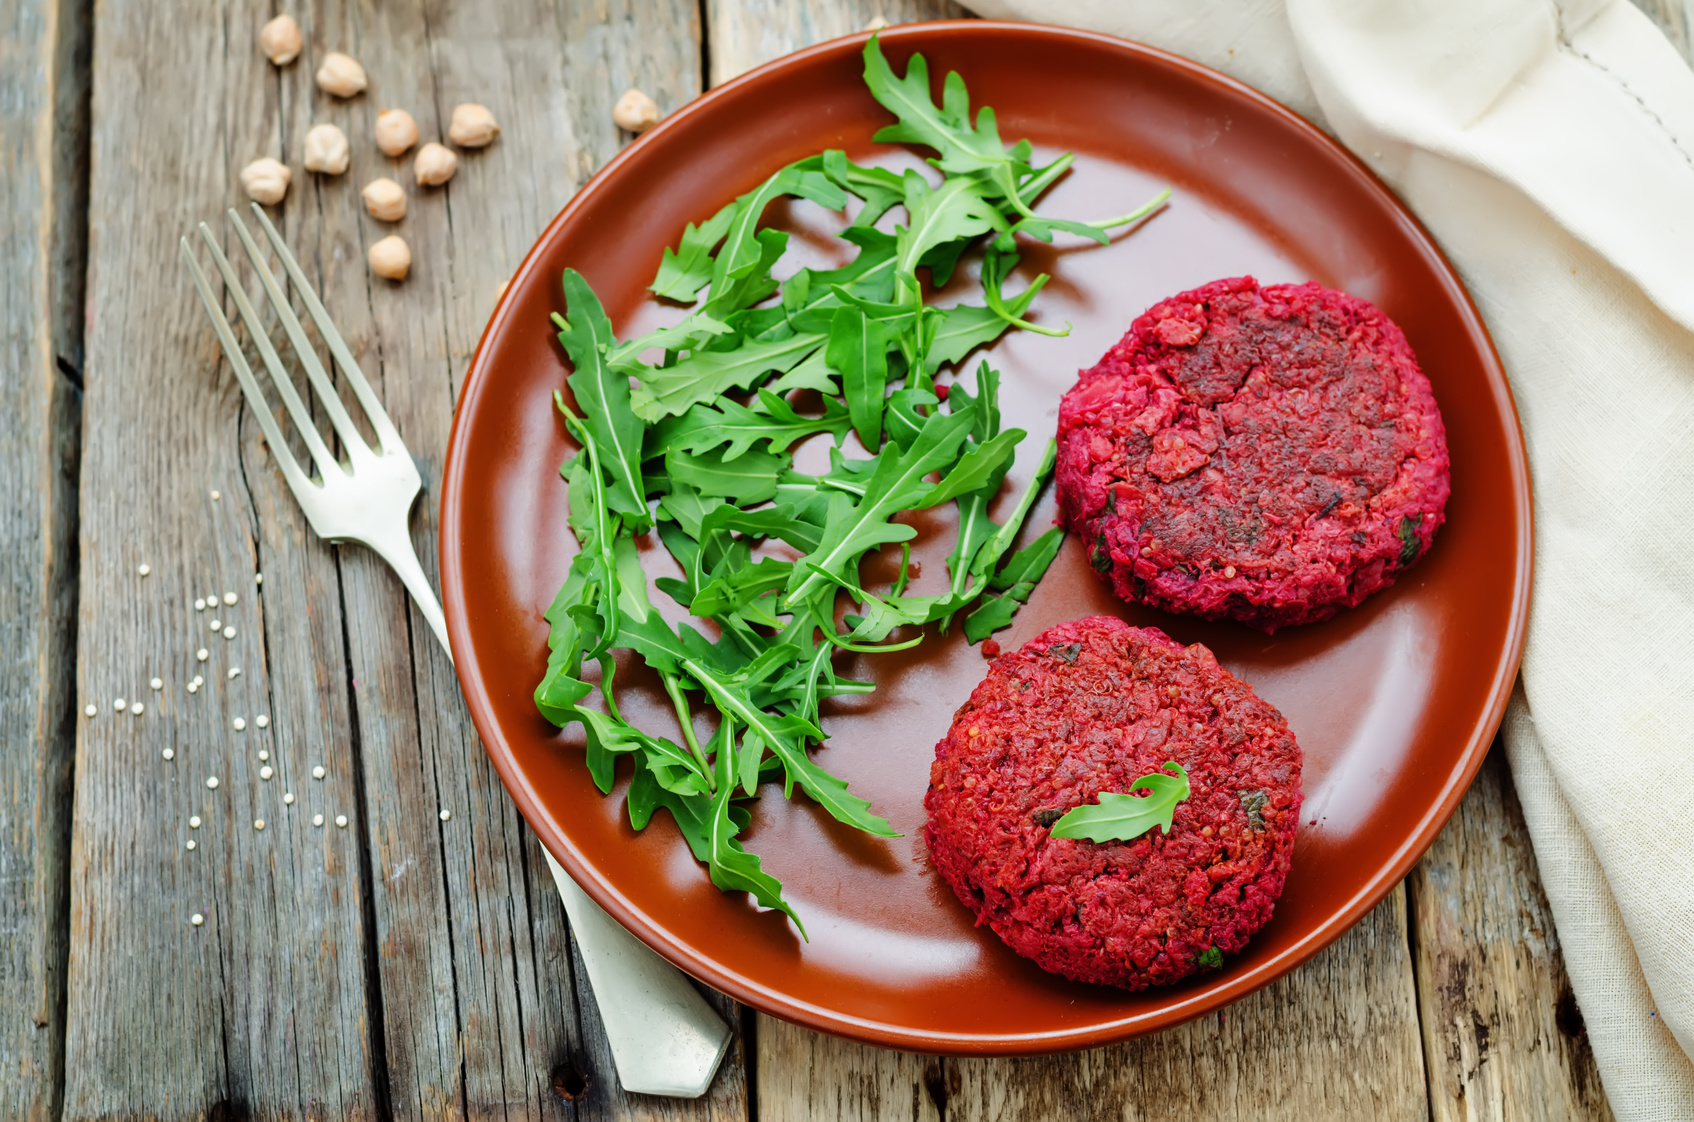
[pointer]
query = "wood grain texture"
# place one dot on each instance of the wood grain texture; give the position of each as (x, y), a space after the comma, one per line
(404, 965)
(1336, 1039)
(42, 128)
(804, 1075)
(742, 34)
(1502, 1034)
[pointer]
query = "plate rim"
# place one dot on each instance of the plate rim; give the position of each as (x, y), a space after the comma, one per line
(881, 1033)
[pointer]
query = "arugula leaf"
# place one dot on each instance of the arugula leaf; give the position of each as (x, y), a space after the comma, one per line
(947, 130)
(604, 397)
(741, 252)
(704, 427)
(732, 868)
(858, 351)
(990, 617)
(995, 267)
(684, 273)
(750, 478)
(693, 331)
(707, 375)
(954, 211)
(1126, 816)
(1029, 564)
(897, 484)
(984, 462)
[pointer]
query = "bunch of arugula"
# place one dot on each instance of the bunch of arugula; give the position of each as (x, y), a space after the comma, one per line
(713, 474)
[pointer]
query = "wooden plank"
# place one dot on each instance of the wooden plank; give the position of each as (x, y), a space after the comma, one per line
(1336, 1039)
(43, 167)
(804, 1076)
(742, 34)
(1502, 1034)
(430, 973)
(266, 1006)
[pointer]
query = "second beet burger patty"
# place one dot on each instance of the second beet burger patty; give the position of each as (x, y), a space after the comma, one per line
(1270, 455)
(1089, 707)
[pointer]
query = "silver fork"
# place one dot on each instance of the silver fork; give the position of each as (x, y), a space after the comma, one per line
(665, 1038)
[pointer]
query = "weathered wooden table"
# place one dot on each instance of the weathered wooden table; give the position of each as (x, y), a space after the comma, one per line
(405, 966)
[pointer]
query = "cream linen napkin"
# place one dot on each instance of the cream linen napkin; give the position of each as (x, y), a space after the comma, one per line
(1549, 147)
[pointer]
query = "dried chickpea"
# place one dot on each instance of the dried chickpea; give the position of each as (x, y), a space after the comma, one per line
(391, 257)
(434, 165)
(341, 75)
(395, 131)
(473, 126)
(280, 40)
(265, 180)
(635, 111)
(385, 199)
(326, 150)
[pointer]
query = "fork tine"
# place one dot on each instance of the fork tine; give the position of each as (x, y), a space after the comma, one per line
(296, 478)
(315, 373)
(321, 454)
(387, 435)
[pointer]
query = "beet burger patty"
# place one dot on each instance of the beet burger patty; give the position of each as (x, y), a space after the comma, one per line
(1088, 708)
(1270, 455)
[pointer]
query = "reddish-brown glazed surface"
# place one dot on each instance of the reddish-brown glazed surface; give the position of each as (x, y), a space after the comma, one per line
(1394, 703)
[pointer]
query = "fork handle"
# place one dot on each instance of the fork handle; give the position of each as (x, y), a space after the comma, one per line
(665, 1038)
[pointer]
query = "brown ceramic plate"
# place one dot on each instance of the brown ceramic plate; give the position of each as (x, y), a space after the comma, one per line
(1394, 702)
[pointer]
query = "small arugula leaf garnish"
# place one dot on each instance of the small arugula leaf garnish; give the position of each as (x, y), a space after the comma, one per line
(1210, 958)
(1126, 816)
(689, 429)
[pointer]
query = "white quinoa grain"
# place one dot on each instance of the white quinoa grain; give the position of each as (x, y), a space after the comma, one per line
(262, 721)
(190, 844)
(258, 823)
(234, 673)
(202, 654)
(194, 687)
(137, 708)
(157, 683)
(288, 798)
(229, 632)
(258, 578)
(119, 704)
(318, 772)
(211, 782)
(240, 724)
(169, 753)
(266, 772)
(90, 710)
(144, 569)
(341, 820)
(196, 919)
(264, 756)
(217, 624)
(317, 820)
(193, 821)
(216, 495)
(229, 598)
(446, 814)
(199, 604)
